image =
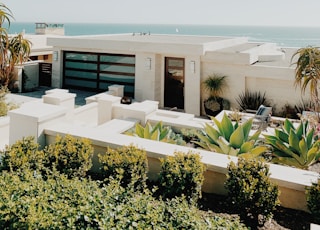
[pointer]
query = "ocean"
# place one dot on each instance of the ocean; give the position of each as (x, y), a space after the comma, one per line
(282, 36)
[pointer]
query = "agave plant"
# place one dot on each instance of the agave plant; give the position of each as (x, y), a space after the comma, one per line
(158, 132)
(297, 147)
(231, 139)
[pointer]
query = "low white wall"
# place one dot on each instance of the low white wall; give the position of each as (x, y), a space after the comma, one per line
(87, 114)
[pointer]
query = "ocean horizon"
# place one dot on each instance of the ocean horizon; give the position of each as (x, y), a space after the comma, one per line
(281, 35)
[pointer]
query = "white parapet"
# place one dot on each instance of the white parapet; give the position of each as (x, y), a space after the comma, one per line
(64, 99)
(31, 119)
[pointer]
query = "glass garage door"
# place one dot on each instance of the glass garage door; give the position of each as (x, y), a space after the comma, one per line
(97, 71)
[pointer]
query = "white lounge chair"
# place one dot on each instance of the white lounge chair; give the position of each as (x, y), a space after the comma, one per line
(262, 117)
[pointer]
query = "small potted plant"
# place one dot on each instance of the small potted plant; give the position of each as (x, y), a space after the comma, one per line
(215, 84)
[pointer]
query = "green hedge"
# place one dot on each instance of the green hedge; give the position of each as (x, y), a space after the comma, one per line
(22, 155)
(181, 174)
(250, 190)
(313, 200)
(128, 163)
(69, 155)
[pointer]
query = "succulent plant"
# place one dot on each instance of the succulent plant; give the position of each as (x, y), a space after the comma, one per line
(158, 132)
(297, 147)
(231, 138)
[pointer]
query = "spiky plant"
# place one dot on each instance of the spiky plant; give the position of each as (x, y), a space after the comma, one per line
(231, 139)
(292, 146)
(251, 100)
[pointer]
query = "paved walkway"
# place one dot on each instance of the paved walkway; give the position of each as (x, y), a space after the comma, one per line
(79, 100)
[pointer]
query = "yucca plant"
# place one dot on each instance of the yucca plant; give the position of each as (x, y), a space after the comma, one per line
(158, 132)
(231, 139)
(297, 147)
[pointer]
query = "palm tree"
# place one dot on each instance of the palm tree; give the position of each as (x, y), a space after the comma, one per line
(307, 72)
(14, 50)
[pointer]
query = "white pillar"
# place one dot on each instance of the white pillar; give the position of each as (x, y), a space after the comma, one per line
(105, 103)
(66, 100)
(118, 89)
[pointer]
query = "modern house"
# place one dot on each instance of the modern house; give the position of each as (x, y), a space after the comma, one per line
(147, 65)
(170, 68)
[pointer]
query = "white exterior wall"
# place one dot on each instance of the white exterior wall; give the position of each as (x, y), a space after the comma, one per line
(145, 80)
(192, 85)
(277, 82)
(57, 68)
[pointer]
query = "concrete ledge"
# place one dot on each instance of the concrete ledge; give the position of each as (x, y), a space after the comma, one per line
(177, 120)
(56, 90)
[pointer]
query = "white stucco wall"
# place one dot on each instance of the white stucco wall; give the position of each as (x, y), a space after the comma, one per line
(277, 82)
(32, 72)
(145, 79)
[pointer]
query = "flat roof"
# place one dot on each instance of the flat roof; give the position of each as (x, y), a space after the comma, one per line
(156, 38)
(153, 43)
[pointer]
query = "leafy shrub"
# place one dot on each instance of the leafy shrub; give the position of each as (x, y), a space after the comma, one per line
(231, 139)
(70, 155)
(313, 197)
(55, 203)
(250, 191)
(22, 155)
(128, 163)
(295, 147)
(62, 203)
(181, 174)
(3, 108)
(251, 100)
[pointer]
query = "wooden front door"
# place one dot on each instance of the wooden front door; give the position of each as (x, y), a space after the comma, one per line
(174, 83)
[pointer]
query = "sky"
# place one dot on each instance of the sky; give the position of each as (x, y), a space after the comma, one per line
(213, 12)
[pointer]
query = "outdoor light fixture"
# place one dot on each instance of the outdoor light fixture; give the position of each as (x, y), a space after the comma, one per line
(148, 63)
(55, 55)
(192, 66)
